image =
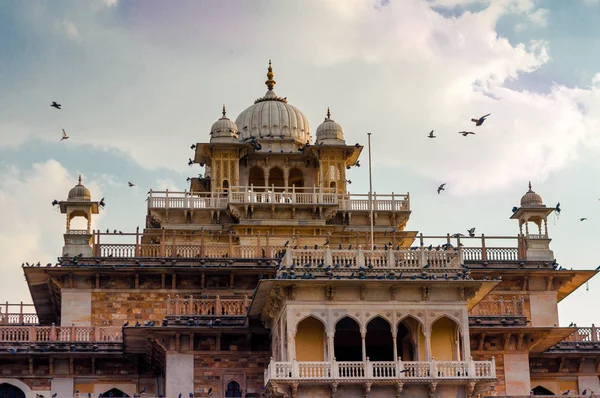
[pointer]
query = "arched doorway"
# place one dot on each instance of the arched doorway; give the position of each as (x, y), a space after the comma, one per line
(445, 345)
(310, 340)
(296, 178)
(276, 179)
(404, 342)
(539, 390)
(379, 342)
(347, 343)
(114, 392)
(10, 391)
(233, 389)
(256, 177)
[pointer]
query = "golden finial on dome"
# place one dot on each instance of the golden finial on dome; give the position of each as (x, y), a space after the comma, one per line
(79, 180)
(328, 113)
(270, 82)
(224, 111)
(530, 185)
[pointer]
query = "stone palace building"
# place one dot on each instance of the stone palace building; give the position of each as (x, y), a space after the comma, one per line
(261, 280)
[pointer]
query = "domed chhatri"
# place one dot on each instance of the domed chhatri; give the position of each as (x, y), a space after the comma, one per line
(272, 118)
(79, 193)
(531, 199)
(223, 130)
(330, 132)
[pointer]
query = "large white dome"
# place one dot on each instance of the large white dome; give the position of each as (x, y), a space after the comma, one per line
(272, 118)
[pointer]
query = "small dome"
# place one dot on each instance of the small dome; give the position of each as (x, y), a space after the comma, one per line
(223, 129)
(531, 199)
(272, 118)
(329, 132)
(79, 193)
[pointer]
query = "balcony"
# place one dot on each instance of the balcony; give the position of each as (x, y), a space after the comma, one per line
(23, 314)
(215, 311)
(388, 260)
(291, 196)
(498, 312)
(405, 371)
(64, 334)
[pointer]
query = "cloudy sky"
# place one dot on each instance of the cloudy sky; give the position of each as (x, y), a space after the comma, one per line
(141, 81)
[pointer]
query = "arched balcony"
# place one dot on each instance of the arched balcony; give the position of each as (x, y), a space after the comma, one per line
(344, 347)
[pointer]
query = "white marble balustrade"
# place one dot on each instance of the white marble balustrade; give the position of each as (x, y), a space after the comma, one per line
(369, 370)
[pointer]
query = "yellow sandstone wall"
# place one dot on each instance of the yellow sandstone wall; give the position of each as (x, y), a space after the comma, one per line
(310, 340)
(442, 340)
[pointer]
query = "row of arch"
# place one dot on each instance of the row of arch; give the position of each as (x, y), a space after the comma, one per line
(379, 341)
(8, 390)
(275, 177)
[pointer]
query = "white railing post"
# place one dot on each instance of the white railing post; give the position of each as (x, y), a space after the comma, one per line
(368, 369)
(360, 257)
(461, 256)
(472, 368)
(390, 256)
(433, 368)
(167, 199)
(327, 257)
(335, 373)
(399, 368)
(295, 369)
(493, 367)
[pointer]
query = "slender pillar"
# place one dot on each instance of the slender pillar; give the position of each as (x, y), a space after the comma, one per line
(394, 337)
(427, 346)
(330, 351)
(363, 336)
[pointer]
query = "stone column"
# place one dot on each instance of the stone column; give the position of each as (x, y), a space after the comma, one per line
(427, 346)
(330, 346)
(363, 336)
(179, 376)
(516, 373)
(394, 337)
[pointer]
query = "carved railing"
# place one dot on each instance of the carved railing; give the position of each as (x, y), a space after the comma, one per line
(79, 334)
(584, 334)
(215, 306)
(21, 315)
(277, 196)
(400, 370)
(499, 307)
(399, 260)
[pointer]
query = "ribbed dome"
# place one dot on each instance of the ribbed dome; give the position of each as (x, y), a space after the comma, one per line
(79, 193)
(531, 199)
(330, 132)
(272, 118)
(223, 129)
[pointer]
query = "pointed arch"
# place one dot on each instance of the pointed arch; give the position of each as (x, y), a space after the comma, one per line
(8, 390)
(114, 392)
(445, 339)
(540, 390)
(379, 341)
(347, 341)
(411, 347)
(310, 340)
(296, 178)
(256, 176)
(233, 389)
(276, 178)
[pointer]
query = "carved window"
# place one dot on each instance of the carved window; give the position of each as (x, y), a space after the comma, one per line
(233, 389)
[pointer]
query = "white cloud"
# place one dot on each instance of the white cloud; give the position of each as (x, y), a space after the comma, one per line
(396, 70)
(71, 30)
(30, 231)
(591, 2)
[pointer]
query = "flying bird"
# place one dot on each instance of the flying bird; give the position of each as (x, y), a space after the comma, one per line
(190, 162)
(582, 219)
(131, 184)
(431, 134)
(465, 133)
(64, 135)
(101, 203)
(54, 104)
(441, 188)
(193, 146)
(471, 232)
(479, 122)
(557, 208)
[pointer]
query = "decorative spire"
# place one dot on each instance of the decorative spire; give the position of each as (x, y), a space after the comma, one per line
(224, 111)
(530, 186)
(79, 180)
(328, 113)
(270, 82)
